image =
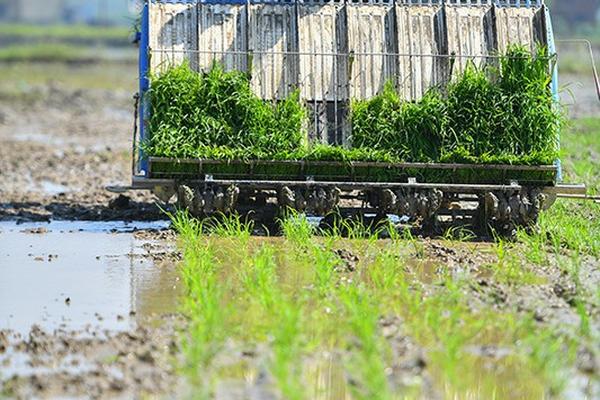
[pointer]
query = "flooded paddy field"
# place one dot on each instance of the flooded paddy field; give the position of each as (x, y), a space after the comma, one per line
(77, 300)
(100, 297)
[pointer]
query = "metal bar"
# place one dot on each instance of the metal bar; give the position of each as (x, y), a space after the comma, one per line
(134, 145)
(141, 183)
(363, 54)
(576, 191)
(566, 189)
(554, 84)
(506, 167)
(578, 197)
(592, 60)
(452, 188)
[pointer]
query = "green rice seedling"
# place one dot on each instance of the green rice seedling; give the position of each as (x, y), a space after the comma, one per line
(231, 226)
(188, 228)
(356, 229)
(287, 350)
(536, 245)
(418, 247)
(570, 225)
(487, 115)
(369, 358)
(385, 272)
(296, 228)
(324, 262)
(584, 324)
(548, 354)
(503, 114)
(411, 131)
(474, 102)
(393, 232)
(279, 316)
(353, 228)
(534, 119)
(206, 332)
(193, 114)
(260, 279)
(509, 268)
(459, 233)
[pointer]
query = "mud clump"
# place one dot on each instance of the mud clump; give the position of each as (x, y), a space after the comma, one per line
(73, 364)
(349, 261)
(587, 361)
(3, 342)
(566, 290)
(120, 203)
(36, 231)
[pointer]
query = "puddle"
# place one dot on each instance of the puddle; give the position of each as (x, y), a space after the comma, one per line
(85, 226)
(53, 188)
(72, 275)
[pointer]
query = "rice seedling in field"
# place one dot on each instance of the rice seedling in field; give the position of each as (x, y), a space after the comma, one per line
(296, 228)
(309, 296)
(367, 363)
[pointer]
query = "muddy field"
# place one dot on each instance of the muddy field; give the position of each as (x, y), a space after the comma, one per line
(90, 288)
(88, 285)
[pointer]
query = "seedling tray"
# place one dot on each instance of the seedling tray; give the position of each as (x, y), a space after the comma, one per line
(335, 171)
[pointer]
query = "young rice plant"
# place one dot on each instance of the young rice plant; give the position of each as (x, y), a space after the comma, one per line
(502, 113)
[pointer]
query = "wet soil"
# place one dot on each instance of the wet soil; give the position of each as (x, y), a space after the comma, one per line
(88, 307)
(60, 148)
(83, 364)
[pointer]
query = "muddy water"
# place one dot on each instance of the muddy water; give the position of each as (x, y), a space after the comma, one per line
(78, 276)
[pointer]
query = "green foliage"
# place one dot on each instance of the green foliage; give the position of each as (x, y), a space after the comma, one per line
(46, 52)
(368, 362)
(296, 228)
(204, 114)
(64, 32)
(412, 131)
(569, 226)
(295, 298)
(503, 114)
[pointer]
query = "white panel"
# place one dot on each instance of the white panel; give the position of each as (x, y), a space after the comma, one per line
(173, 35)
(469, 29)
(370, 30)
(222, 35)
(416, 36)
(515, 26)
(321, 75)
(272, 33)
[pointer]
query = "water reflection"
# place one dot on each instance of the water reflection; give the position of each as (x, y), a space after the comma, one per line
(75, 275)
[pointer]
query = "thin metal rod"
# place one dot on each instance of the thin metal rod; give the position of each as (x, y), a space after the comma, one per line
(134, 145)
(351, 54)
(358, 164)
(578, 197)
(593, 61)
(447, 187)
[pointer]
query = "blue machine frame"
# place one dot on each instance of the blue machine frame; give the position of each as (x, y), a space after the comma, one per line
(144, 56)
(144, 82)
